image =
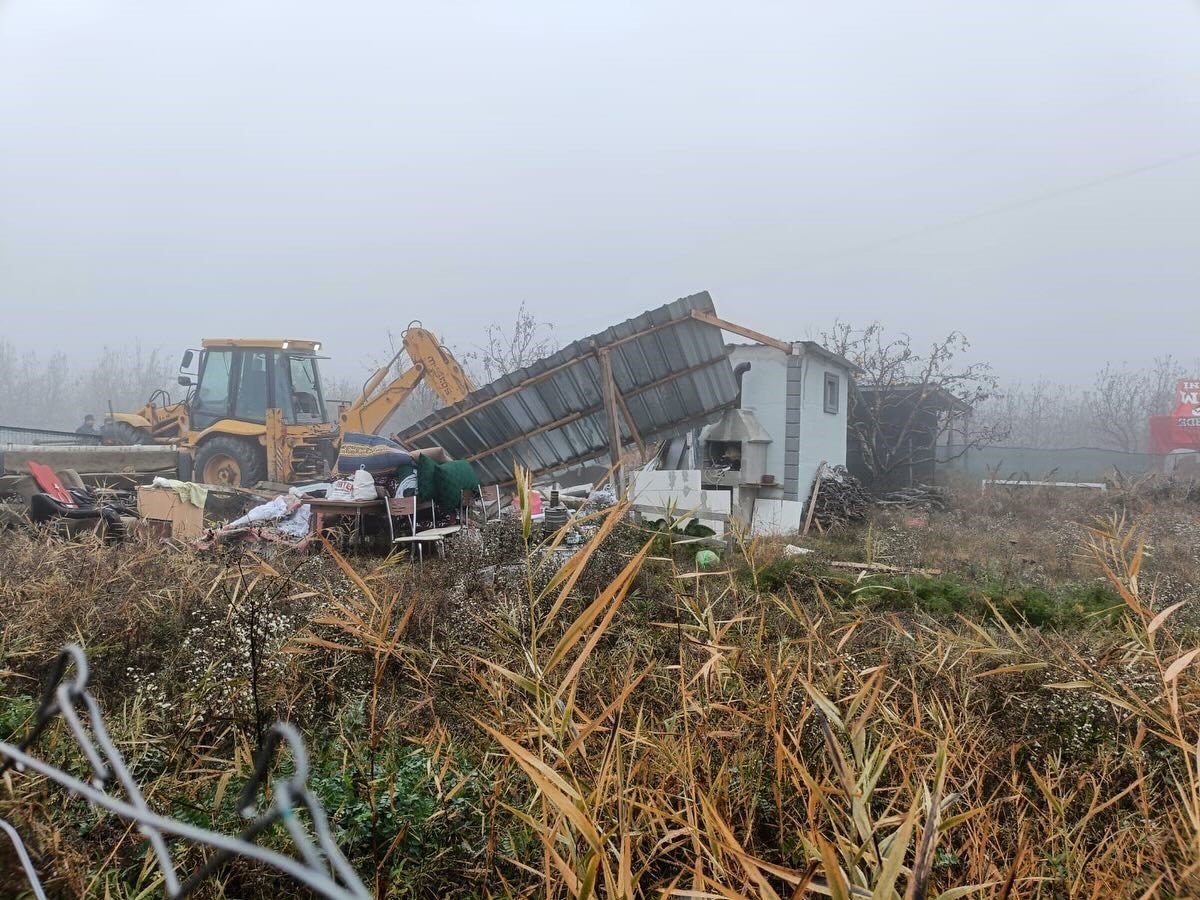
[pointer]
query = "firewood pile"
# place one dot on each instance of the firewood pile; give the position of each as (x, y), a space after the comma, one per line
(840, 498)
(917, 497)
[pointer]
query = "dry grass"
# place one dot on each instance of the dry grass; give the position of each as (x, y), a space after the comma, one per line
(659, 732)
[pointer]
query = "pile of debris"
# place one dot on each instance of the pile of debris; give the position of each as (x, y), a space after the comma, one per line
(918, 497)
(44, 496)
(838, 498)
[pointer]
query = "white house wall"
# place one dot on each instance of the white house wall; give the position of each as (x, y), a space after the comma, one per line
(787, 395)
(764, 390)
(822, 434)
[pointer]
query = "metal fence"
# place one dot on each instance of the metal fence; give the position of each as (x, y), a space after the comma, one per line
(11, 435)
(110, 786)
(1072, 464)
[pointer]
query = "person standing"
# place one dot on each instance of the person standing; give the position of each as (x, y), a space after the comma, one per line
(88, 426)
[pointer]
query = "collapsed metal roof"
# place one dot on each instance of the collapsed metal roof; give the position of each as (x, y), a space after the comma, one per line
(671, 372)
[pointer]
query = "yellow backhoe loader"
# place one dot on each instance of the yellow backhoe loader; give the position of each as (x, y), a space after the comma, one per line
(255, 409)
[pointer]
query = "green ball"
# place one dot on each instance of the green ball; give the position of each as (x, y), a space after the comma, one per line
(706, 559)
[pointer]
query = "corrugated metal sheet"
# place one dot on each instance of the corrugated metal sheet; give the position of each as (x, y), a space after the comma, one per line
(670, 369)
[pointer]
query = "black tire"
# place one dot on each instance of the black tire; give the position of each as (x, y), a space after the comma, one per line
(123, 434)
(231, 461)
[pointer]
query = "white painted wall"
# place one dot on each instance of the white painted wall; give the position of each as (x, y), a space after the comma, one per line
(764, 390)
(822, 434)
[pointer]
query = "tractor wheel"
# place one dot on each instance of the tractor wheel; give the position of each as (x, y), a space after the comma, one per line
(230, 461)
(123, 434)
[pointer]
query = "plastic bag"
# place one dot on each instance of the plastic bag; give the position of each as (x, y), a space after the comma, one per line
(342, 489)
(364, 486)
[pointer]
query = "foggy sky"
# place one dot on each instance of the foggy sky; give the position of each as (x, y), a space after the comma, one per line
(1017, 170)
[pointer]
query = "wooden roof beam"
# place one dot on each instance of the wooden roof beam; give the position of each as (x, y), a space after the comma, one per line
(750, 333)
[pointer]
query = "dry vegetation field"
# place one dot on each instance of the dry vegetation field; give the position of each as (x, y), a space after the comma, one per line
(1023, 724)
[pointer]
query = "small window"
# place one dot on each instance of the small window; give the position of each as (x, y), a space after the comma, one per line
(306, 391)
(833, 392)
(251, 401)
(211, 400)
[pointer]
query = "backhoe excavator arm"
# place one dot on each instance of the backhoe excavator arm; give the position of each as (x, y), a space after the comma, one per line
(431, 362)
(368, 414)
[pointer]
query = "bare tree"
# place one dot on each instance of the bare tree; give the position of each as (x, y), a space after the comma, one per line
(123, 380)
(908, 408)
(1122, 400)
(505, 350)
(1041, 415)
(51, 393)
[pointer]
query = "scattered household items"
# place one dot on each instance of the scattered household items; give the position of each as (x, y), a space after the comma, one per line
(556, 514)
(443, 481)
(707, 559)
(363, 486)
(793, 550)
(188, 491)
(375, 454)
(599, 499)
(393, 498)
(279, 510)
(435, 537)
(172, 509)
(76, 508)
(341, 490)
(634, 384)
(326, 512)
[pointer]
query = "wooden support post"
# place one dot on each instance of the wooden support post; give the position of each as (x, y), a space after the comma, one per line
(633, 429)
(812, 499)
(609, 388)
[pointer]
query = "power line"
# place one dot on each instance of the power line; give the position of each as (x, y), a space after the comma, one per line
(1003, 208)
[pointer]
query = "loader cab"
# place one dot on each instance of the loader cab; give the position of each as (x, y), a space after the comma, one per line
(241, 380)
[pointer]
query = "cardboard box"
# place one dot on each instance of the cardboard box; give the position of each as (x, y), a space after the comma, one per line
(163, 505)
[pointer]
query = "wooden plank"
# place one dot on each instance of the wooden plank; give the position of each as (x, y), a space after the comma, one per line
(609, 387)
(812, 497)
(633, 429)
(725, 325)
(880, 567)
